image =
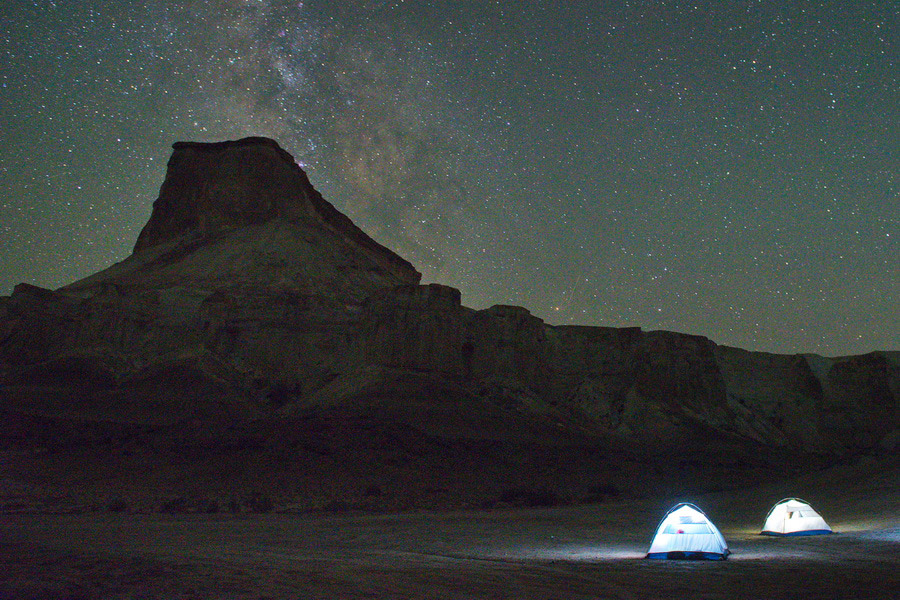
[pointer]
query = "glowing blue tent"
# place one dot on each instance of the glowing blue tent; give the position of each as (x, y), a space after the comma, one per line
(686, 533)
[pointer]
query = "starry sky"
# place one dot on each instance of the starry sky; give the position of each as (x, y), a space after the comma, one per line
(723, 168)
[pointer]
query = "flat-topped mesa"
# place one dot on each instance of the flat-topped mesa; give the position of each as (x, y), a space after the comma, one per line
(243, 215)
(215, 187)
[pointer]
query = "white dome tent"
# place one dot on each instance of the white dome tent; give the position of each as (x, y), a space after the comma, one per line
(793, 516)
(687, 533)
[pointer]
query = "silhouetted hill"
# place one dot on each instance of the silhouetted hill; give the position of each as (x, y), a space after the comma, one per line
(256, 341)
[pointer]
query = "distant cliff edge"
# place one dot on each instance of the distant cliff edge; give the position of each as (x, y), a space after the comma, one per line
(246, 284)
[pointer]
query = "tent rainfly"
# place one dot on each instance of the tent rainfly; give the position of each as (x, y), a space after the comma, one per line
(793, 516)
(686, 533)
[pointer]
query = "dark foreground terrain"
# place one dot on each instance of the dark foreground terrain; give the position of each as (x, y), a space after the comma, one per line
(589, 551)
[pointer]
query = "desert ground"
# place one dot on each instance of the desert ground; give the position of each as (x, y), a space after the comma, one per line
(586, 551)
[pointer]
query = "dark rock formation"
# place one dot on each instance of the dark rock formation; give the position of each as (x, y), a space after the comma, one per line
(243, 214)
(249, 285)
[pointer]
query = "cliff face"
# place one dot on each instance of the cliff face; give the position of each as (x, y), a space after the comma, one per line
(246, 280)
(243, 214)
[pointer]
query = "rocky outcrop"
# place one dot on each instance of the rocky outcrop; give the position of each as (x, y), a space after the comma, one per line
(247, 284)
(243, 214)
(778, 398)
(859, 400)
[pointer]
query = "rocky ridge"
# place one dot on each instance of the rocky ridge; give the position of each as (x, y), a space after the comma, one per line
(247, 289)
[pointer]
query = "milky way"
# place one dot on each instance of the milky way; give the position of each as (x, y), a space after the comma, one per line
(720, 168)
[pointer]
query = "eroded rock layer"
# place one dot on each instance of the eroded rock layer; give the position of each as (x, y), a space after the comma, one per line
(247, 287)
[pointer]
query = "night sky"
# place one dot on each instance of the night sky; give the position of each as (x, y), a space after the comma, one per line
(723, 168)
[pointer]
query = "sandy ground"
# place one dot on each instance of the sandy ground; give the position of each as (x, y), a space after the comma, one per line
(593, 551)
